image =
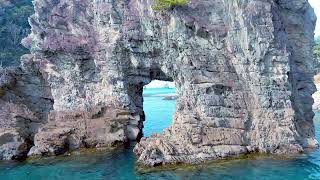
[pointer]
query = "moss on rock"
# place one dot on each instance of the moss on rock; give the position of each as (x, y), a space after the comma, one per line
(162, 4)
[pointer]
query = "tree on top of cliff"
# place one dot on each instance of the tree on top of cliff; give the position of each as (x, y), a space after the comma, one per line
(162, 4)
(13, 27)
(317, 50)
(318, 40)
(316, 53)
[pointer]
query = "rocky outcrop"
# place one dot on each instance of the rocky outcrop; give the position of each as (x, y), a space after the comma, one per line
(25, 101)
(243, 72)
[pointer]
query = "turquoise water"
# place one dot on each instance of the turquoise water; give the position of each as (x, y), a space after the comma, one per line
(159, 112)
(120, 163)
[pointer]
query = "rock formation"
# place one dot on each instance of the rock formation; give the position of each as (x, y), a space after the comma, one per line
(243, 72)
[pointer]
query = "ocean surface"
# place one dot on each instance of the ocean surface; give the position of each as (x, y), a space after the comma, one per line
(121, 163)
(159, 112)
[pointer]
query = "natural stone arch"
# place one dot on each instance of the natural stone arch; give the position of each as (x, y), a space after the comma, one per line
(135, 92)
(243, 79)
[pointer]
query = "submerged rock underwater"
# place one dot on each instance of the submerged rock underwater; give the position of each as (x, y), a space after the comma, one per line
(120, 163)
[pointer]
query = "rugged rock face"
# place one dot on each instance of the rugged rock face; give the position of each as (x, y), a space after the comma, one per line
(25, 100)
(243, 71)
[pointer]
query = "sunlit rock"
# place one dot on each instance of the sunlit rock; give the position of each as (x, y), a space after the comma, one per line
(243, 72)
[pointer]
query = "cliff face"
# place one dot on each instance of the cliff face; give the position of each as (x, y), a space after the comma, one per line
(243, 71)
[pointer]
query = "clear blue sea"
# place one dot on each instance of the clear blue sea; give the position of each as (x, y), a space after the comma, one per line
(120, 163)
(159, 112)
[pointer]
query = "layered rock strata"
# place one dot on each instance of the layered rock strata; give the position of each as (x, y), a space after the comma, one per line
(243, 72)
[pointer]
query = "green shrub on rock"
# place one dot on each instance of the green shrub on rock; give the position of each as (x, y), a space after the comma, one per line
(14, 26)
(162, 4)
(316, 52)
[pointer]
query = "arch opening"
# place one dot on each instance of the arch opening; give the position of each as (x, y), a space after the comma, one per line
(159, 106)
(152, 93)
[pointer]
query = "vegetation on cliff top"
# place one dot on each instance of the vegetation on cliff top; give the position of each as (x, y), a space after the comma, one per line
(317, 55)
(14, 27)
(162, 4)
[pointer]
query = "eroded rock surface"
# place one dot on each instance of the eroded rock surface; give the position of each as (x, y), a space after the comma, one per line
(243, 72)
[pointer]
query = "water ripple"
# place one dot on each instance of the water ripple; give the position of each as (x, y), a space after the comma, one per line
(120, 164)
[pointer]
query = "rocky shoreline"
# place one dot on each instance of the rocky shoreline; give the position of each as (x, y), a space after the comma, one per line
(165, 96)
(245, 80)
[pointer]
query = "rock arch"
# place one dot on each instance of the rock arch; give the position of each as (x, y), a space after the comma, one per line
(242, 73)
(136, 83)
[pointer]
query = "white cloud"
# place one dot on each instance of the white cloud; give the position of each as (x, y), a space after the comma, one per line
(160, 84)
(316, 5)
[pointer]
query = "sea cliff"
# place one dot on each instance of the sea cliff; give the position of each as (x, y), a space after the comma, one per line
(243, 72)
